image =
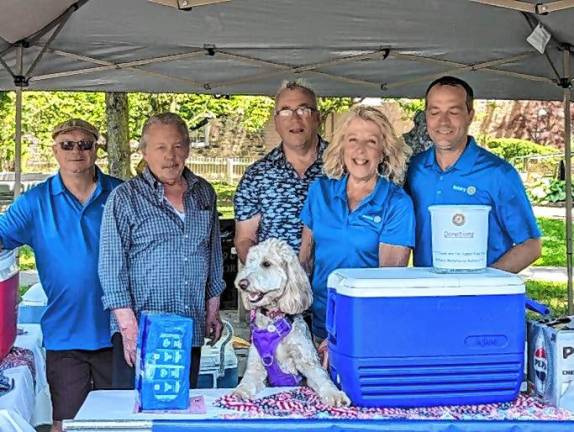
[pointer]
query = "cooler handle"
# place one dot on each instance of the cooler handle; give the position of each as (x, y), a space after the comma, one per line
(537, 307)
(331, 316)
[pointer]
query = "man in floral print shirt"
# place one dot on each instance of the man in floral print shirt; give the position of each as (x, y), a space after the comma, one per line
(272, 191)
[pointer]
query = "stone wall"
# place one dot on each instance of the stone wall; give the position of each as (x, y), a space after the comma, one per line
(541, 122)
(227, 138)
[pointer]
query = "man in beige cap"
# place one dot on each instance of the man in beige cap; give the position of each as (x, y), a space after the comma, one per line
(60, 219)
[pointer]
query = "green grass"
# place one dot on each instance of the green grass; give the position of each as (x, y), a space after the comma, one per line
(225, 193)
(552, 294)
(27, 260)
(553, 243)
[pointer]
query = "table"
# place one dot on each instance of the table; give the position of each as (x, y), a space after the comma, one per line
(30, 399)
(113, 410)
(10, 421)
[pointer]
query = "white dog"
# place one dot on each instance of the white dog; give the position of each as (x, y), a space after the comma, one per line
(275, 288)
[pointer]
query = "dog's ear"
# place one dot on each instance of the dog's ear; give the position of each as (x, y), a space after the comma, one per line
(297, 296)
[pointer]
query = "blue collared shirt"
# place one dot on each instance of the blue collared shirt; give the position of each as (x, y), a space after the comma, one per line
(152, 260)
(272, 188)
(477, 177)
(64, 235)
(345, 239)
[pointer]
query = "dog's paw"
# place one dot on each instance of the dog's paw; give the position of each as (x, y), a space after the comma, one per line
(334, 397)
(242, 393)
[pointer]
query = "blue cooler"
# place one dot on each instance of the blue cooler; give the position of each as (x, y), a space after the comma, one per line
(407, 337)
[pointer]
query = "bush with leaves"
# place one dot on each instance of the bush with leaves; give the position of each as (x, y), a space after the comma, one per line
(547, 191)
(510, 148)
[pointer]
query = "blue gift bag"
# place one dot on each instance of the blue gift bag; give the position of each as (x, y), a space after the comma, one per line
(163, 361)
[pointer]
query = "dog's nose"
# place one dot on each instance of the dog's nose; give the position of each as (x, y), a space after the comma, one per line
(243, 284)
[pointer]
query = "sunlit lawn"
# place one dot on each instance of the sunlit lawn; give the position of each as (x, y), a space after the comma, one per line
(553, 243)
(552, 294)
(225, 193)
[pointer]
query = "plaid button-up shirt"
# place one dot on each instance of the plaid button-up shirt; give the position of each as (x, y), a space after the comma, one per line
(151, 260)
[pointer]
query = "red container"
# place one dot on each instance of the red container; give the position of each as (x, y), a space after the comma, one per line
(8, 299)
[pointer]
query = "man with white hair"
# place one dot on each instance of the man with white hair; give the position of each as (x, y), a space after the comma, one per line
(160, 247)
(271, 193)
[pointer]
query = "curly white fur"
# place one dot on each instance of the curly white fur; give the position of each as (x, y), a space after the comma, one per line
(273, 278)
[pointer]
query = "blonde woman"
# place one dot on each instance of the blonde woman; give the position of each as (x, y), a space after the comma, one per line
(358, 215)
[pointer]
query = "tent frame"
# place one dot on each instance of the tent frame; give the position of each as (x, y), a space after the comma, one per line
(529, 10)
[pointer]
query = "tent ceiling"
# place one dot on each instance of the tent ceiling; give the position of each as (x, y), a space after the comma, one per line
(386, 48)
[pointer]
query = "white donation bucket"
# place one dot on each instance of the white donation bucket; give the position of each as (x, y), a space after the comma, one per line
(459, 237)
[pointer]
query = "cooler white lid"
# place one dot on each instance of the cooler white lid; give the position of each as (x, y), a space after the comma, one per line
(35, 296)
(7, 259)
(8, 266)
(421, 282)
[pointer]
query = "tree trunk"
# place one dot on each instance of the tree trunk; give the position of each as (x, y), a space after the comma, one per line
(118, 143)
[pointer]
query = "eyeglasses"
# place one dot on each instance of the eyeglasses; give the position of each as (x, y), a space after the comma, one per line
(302, 111)
(82, 145)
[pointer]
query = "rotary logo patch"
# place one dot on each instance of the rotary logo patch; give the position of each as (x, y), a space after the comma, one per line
(458, 219)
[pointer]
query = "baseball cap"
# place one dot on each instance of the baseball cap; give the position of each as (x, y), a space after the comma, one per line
(75, 124)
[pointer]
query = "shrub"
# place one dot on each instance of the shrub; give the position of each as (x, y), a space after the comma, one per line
(509, 148)
(547, 191)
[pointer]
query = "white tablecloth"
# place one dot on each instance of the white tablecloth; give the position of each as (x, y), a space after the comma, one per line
(120, 404)
(26, 401)
(10, 421)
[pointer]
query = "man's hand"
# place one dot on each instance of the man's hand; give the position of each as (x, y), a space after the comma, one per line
(323, 350)
(129, 330)
(519, 256)
(213, 323)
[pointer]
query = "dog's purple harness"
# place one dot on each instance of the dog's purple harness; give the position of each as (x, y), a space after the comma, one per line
(266, 341)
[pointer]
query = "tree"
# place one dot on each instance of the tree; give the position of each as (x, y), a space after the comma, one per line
(43, 110)
(118, 141)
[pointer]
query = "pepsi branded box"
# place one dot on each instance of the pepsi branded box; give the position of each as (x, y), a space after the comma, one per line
(551, 361)
(163, 361)
(410, 337)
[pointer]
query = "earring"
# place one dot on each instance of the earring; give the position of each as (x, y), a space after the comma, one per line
(381, 170)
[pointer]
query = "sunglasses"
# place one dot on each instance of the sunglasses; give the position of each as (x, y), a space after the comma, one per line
(82, 145)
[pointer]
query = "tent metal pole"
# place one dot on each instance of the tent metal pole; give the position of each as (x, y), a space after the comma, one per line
(568, 164)
(18, 136)
(462, 67)
(113, 66)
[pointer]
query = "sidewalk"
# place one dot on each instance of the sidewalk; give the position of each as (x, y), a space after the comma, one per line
(552, 274)
(28, 277)
(550, 212)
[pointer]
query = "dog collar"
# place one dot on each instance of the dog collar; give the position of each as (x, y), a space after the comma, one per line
(273, 313)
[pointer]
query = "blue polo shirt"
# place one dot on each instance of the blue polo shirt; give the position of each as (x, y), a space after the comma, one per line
(65, 237)
(345, 239)
(477, 177)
